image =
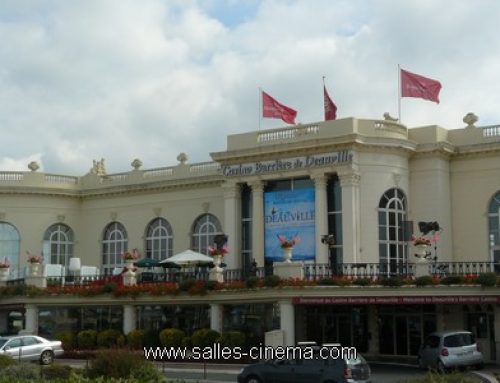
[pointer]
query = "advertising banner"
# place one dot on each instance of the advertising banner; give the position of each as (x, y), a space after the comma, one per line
(289, 213)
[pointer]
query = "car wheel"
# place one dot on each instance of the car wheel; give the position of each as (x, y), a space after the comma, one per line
(441, 368)
(253, 379)
(47, 357)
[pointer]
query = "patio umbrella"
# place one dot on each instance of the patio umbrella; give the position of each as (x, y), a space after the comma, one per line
(147, 262)
(189, 258)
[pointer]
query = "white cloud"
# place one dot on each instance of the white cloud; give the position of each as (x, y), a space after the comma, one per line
(121, 79)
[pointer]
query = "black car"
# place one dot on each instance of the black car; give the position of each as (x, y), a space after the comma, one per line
(317, 370)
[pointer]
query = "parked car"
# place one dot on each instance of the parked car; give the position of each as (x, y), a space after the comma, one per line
(449, 349)
(354, 370)
(31, 348)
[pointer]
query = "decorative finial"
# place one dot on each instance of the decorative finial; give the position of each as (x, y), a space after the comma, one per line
(470, 119)
(136, 164)
(182, 158)
(388, 117)
(33, 166)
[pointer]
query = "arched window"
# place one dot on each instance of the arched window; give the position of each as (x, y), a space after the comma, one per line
(494, 228)
(114, 244)
(58, 244)
(9, 246)
(205, 228)
(159, 239)
(391, 220)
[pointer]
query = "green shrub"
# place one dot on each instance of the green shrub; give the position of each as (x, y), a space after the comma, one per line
(204, 337)
(171, 337)
(424, 280)
(272, 281)
(211, 285)
(67, 338)
(109, 287)
(487, 279)
(232, 339)
(186, 284)
(116, 363)
(22, 371)
(252, 282)
(392, 281)
(108, 338)
(86, 339)
(56, 371)
(452, 280)
(186, 342)
(362, 282)
(6, 361)
(135, 339)
(327, 282)
(151, 338)
(147, 372)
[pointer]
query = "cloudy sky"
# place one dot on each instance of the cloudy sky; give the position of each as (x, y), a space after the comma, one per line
(124, 79)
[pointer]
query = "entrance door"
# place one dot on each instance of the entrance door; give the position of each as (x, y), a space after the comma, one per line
(482, 325)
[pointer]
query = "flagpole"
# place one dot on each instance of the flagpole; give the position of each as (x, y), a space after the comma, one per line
(260, 104)
(399, 94)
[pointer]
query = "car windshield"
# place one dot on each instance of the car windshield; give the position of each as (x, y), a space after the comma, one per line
(459, 340)
(3, 341)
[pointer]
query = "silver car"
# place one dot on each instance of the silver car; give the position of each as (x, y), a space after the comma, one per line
(449, 349)
(31, 348)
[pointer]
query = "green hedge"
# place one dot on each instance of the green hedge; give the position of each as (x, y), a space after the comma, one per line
(87, 339)
(110, 338)
(171, 337)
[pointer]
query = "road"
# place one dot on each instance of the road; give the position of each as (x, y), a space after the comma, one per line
(381, 373)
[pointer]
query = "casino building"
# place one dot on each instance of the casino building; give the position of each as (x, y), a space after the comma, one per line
(365, 183)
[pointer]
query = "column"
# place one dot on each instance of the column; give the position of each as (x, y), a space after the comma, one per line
(349, 182)
(129, 318)
(287, 322)
(216, 317)
(31, 319)
(232, 224)
(321, 213)
(258, 222)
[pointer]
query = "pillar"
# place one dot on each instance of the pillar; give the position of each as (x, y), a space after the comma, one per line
(232, 224)
(129, 318)
(31, 319)
(349, 182)
(216, 317)
(321, 213)
(287, 321)
(258, 222)
(373, 330)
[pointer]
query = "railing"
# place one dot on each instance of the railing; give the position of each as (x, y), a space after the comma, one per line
(463, 268)
(358, 270)
(11, 176)
(58, 179)
(158, 172)
(204, 167)
(491, 131)
(287, 133)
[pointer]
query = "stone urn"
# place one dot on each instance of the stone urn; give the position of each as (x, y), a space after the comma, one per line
(4, 273)
(34, 267)
(421, 250)
(287, 254)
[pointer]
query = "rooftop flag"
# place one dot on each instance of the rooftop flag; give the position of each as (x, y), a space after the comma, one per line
(273, 109)
(414, 85)
(330, 107)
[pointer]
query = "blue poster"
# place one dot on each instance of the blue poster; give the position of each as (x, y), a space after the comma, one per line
(289, 213)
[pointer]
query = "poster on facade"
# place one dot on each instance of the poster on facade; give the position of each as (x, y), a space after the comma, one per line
(289, 213)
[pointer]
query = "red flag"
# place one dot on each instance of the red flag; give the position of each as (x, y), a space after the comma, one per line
(330, 107)
(414, 85)
(273, 109)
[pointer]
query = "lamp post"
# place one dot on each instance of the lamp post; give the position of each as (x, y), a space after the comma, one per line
(329, 240)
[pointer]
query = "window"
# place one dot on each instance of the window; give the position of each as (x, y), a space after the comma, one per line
(9, 245)
(58, 244)
(494, 229)
(114, 244)
(334, 202)
(14, 343)
(391, 219)
(30, 341)
(205, 228)
(159, 239)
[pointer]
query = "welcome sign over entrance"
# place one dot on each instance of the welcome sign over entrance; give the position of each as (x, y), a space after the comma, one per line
(304, 162)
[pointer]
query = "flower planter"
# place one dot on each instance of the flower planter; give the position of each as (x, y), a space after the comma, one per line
(287, 254)
(4, 273)
(421, 250)
(129, 264)
(34, 267)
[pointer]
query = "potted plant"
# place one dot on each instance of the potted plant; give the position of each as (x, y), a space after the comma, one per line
(34, 261)
(4, 269)
(130, 258)
(218, 253)
(421, 244)
(287, 245)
